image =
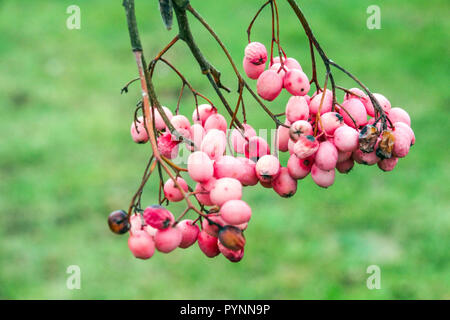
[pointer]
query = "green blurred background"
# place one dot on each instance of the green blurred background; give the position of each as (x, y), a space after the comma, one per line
(67, 160)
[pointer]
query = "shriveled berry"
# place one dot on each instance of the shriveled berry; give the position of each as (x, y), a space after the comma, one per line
(118, 222)
(158, 217)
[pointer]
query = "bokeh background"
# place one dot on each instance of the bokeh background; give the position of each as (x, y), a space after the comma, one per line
(67, 160)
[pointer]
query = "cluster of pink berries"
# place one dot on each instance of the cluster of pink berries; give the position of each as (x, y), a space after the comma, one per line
(321, 137)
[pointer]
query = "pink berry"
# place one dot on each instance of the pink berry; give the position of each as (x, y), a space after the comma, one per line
(225, 189)
(256, 53)
(216, 121)
(141, 245)
(326, 156)
(306, 146)
(167, 146)
(228, 166)
(345, 166)
(300, 128)
(364, 98)
(299, 168)
(200, 167)
(407, 128)
(283, 138)
(135, 223)
(330, 121)
(202, 112)
(269, 85)
(182, 125)
(248, 177)
(402, 142)
(342, 156)
(211, 226)
(197, 133)
(150, 230)
(291, 63)
(214, 144)
(238, 141)
(281, 71)
(235, 212)
(365, 158)
(326, 105)
(284, 184)
(255, 148)
(399, 115)
(253, 71)
(171, 191)
(346, 139)
(202, 195)
(189, 233)
(383, 101)
(233, 256)
(357, 110)
(297, 109)
(158, 217)
(388, 164)
(168, 239)
(138, 132)
(208, 244)
(321, 177)
(296, 82)
(267, 168)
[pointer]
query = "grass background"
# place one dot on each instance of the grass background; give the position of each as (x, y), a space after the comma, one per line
(66, 158)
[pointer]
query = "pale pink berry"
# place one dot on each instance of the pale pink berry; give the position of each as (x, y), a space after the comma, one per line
(300, 128)
(138, 132)
(363, 97)
(216, 121)
(388, 164)
(225, 189)
(269, 85)
(255, 148)
(399, 115)
(168, 239)
(283, 137)
(342, 156)
(211, 225)
(321, 177)
(171, 191)
(402, 142)
(141, 244)
(291, 145)
(326, 105)
(214, 144)
(256, 53)
(238, 140)
(189, 233)
(275, 60)
(228, 166)
(197, 133)
(279, 69)
(284, 184)
(150, 230)
(330, 121)
(200, 167)
(135, 223)
(235, 212)
(407, 128)
(356, 109)
(306, 146)
(296, 82)
(242, 226)
(202, 195)
(202, 112)
(346, 139)
(248, 177)
(365, 158)
(345, 166)
(253, 71)
(326, 156)
(299, 168)
(158, 217)
(182, 125)
(159, 121)
(383, 102)
(167, 146)
(267, 168)
(291, 63)
(231, 255)
(297, 109)
(208, 244)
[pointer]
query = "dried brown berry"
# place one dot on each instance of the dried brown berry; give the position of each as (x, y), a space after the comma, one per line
(232, 238)
(386, 145)
(118, 222)
(368, 138)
